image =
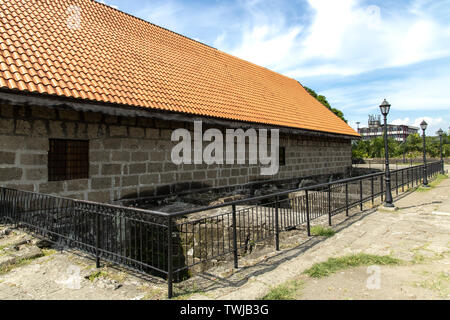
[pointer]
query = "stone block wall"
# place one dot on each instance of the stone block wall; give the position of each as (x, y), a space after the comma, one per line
(131, 157)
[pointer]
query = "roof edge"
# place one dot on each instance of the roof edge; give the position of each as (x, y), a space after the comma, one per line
(17, 97)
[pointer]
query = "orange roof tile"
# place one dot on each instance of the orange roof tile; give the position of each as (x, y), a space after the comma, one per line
(116, 58)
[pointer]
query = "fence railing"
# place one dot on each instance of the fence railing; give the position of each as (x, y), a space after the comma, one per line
(168, 245)
(394, 163)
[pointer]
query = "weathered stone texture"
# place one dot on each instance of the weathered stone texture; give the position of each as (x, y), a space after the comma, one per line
(131, 157)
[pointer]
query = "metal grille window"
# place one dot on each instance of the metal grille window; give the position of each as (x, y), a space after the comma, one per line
(68, 160)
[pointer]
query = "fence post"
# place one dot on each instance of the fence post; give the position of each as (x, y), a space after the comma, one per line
(329, 205)
(403, 180)
(97, 240)
(277, 226)
(371, 190)
(235, 248)
(346, 199)
(308, 225)
(396, 182)
(169, 258)
(361, 195)
(407, 178)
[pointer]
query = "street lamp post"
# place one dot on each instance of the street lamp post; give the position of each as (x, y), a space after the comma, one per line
(385, 107)
(441, 133)
(424, 126)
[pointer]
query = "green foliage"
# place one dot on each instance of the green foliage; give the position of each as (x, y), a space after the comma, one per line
(333, 265)
(322, 231)
(98, 274)
(412, 148)
(433, 183)
(323, 100)
(286, 291)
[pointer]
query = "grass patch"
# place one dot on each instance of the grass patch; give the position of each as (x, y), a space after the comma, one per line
(286, 291)
(433, 184)
(154, 294)
(2, 250)
(322, 231)
(98, 274)
(439, 283)
(48, 252)
(333, 265)
(20, 263)
(186, 292)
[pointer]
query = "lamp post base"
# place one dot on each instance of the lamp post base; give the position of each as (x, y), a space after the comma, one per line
(390, 207)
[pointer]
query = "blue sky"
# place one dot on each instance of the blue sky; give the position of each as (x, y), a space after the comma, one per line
(355, 52)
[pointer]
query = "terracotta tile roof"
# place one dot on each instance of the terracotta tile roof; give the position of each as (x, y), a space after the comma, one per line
(116, 58)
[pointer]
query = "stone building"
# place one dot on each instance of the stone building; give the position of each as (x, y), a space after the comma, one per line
(90, 97)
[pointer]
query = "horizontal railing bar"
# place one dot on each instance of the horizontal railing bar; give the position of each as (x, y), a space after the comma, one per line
(258, 198)
(105, 205)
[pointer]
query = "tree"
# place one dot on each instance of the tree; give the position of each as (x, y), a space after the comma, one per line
(412, 147)
(323, 100)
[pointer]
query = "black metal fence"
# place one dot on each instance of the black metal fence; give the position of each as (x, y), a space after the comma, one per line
(168, 245)
(395, 163)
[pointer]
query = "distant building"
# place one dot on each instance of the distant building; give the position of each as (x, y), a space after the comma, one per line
(376, 129)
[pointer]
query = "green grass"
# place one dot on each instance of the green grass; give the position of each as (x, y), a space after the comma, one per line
(438, 180)
(96, 275)
(186, 292)
(286, 291)
(322, 231)
(439, 283)
(48, 252)
(2, 248)
(22, 262)
(333, 265)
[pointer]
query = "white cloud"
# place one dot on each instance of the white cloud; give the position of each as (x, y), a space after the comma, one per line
(343, 37)
(333, 40)
(405, 121)
(348, 38)
(434, 124)
(266, 45)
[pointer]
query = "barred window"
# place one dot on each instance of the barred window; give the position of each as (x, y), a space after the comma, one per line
(68, 160)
